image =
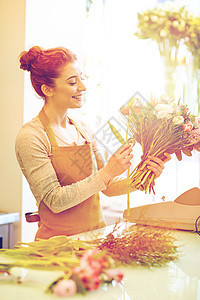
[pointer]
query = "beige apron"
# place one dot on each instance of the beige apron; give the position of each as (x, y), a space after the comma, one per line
(71, 164)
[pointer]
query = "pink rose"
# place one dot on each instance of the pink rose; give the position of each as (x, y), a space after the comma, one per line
(187, 126)
(114, 274)
(65, 288)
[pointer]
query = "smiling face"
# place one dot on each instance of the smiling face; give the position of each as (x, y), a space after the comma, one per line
(69, 87)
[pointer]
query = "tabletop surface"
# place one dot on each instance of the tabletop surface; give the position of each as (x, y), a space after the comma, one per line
(6, 218)
(178, 280)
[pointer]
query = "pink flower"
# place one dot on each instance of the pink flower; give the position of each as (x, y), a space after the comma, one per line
(65, 288)
(91, 252)
(114, 274)
(91, 266)
(89, 275)
(91, 283)
(84, 270)
(187, 126)
(194, 136)
(124, 110)
(93, 261)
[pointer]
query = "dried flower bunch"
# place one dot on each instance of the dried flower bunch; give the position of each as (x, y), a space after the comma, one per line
(159, 126)
(140, 245)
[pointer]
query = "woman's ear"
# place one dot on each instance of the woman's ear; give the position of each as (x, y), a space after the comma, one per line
(47, 90)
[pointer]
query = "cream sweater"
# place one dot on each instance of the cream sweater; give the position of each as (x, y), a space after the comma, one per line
(32, 148)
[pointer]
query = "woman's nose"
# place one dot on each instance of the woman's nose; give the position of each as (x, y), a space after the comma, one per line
(82, 86)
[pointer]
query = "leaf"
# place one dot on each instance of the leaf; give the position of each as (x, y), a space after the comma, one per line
(187, 152)
(80, 287)
(178, 155)
(117, 134)
(197, 146)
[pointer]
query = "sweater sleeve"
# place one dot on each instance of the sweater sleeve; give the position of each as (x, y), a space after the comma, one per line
(32, 151)
(118, 186)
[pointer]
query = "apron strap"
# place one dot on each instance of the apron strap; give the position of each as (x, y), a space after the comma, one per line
(45, 122)
(81, 131)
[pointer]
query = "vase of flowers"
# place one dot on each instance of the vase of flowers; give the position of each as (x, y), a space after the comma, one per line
(167, 25)
(193, 44)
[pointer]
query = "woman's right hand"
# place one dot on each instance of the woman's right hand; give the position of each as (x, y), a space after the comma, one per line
(118, 163)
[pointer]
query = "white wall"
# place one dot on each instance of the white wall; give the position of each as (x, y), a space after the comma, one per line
(12, 39)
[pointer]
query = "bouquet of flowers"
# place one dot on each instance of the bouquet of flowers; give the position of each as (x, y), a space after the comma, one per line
(159, 126)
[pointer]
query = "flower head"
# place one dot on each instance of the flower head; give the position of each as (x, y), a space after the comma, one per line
(114, 274)
(194, 136)
(91, 283)
(187, 126)
(197, 122)
(178, 120)
(163, 111)
(91, 266)
(163, 33)
(65, 288)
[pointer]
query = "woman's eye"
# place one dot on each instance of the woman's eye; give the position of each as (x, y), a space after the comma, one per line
(72, 83)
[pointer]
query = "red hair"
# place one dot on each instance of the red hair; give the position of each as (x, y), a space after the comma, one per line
(45, 65)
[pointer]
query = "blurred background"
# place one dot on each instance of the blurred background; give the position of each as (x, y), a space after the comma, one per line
(122, 55)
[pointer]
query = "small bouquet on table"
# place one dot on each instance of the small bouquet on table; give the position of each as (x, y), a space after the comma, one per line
(159, 126)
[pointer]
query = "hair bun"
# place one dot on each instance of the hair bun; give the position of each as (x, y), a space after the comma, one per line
(27, 57)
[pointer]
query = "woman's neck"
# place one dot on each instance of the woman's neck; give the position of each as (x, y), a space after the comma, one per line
(57, 117)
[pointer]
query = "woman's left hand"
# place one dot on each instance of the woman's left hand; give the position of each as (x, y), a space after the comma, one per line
(156, 165)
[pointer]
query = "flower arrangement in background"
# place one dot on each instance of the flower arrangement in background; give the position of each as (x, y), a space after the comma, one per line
(160, 126)
(171, 26)
(192, 40)
(193, 45)
(167, 25)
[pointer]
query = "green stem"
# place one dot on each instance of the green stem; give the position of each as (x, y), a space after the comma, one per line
(128, 174)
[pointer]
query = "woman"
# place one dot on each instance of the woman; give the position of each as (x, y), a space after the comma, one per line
(59, 156)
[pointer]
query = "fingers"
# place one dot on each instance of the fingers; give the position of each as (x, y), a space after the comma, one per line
(123, 148)
(127, 159)
(124, 153)
(155, 164)
(155, 160)
(120, 161)
(125, 156)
